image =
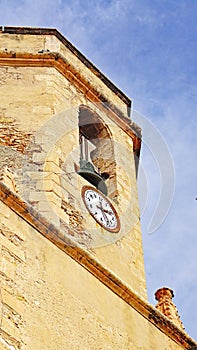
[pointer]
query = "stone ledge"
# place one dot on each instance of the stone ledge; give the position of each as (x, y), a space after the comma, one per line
(66, 43)
(109, 279)
(59, 62)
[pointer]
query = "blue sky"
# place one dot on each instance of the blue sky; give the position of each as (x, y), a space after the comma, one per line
(148, 49)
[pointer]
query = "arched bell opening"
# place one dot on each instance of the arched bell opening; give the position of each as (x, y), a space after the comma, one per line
(97, 162)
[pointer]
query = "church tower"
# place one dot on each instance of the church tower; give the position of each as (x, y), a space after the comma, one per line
(72, 269)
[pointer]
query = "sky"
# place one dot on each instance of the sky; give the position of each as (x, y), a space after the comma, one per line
(148, 49)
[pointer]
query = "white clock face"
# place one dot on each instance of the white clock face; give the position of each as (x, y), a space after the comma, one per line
(101, 209)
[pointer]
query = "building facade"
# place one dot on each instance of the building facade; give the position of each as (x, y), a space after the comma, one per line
(72, 269)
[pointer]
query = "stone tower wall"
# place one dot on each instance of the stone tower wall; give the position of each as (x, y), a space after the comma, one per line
(49, 301)
(39, 125)
(66, 283)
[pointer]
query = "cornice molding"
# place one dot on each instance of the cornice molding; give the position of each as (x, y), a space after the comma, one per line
(109, 279)
(57, 61)
(73, 49)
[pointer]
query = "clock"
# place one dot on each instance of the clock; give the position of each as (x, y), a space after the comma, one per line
(101, 209)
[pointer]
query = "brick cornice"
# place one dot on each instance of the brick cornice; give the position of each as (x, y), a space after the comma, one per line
(115, 284)
(57, 61)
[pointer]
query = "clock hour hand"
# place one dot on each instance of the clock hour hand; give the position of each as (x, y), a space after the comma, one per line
(103, 212)
(107, 211)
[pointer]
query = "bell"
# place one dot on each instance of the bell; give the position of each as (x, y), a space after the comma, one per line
(88, 172)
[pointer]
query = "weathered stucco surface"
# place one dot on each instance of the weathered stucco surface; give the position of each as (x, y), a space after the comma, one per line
(48, 300)
(40, 138)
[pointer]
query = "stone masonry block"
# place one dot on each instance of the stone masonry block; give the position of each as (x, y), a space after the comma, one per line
(52, 176)
(48, 200)
(54, 156)
(61, 213)
(37, 196)
(53, 198)
(7, 267)
(16, 303)
(52, 167)
(15, 225)
(10, 327)
(49, 185)
(69, 188)
(12, 248)
(39, 157)
(44, 206)
(43, 175)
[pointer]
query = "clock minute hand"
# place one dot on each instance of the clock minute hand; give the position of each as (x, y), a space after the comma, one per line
(103, 212)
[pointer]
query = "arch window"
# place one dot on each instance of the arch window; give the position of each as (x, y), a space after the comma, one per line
(97, 162)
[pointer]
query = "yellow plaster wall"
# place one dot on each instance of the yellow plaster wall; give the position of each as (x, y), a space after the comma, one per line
(48, 301)
(34, 43)
(32, 95)
(47, 298)
(40, 102)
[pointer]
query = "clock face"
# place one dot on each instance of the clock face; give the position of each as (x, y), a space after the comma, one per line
(101, 209)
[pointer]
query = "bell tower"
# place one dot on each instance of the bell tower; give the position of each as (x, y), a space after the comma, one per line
(72, 260)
